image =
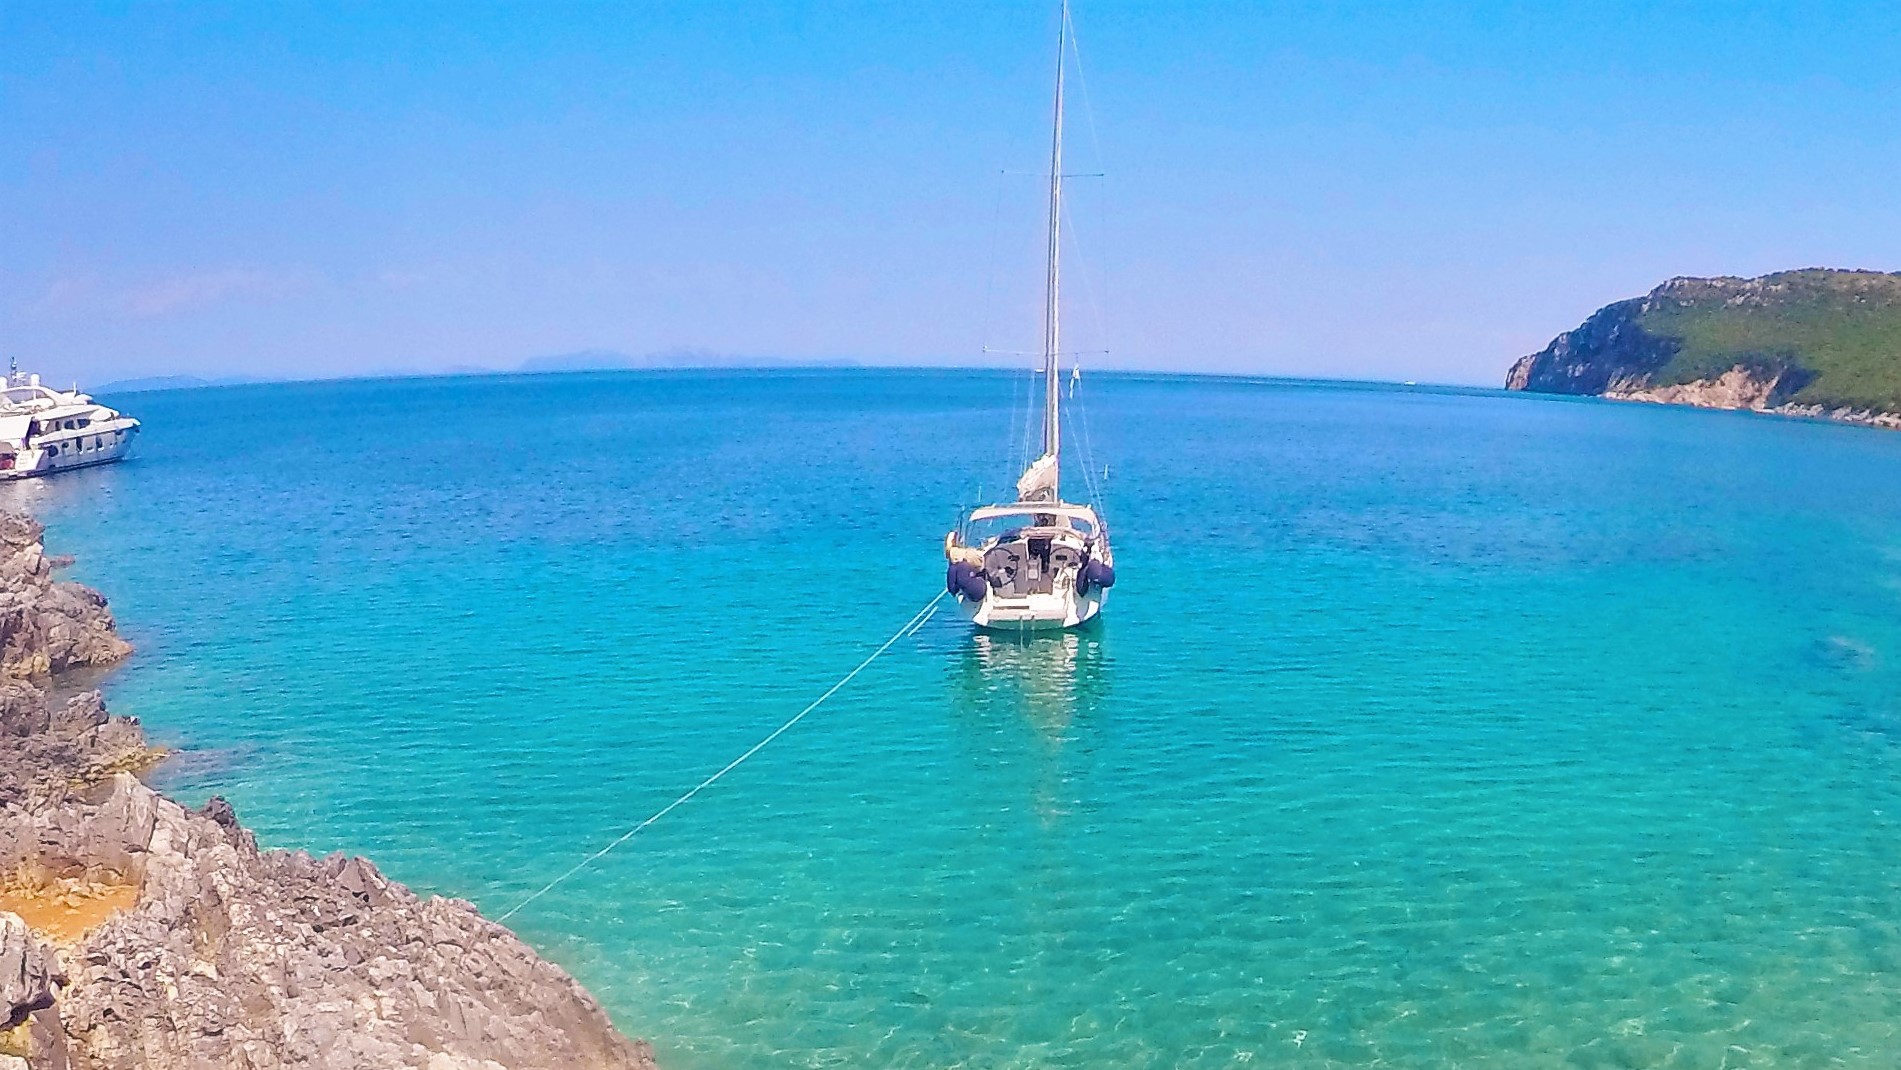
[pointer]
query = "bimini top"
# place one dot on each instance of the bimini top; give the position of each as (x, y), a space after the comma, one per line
(1062, 509)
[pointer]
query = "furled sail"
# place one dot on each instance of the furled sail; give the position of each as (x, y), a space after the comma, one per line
(1038, 482)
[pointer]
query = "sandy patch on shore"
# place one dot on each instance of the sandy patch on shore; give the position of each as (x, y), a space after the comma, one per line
(64, 911)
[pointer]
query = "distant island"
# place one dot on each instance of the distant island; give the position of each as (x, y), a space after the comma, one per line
(1817, 342)
(169, 382)
(602, 360)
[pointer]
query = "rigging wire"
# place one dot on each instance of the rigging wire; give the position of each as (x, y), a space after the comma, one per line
(1024, 421)
(1082, 84)
(1076, 404)
(1019, 421)
(1017, 441)
(1030, 436)
(1097, 301)
(909, 628)
(984, 322)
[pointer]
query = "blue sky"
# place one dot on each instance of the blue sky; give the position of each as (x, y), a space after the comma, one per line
(1396, 190)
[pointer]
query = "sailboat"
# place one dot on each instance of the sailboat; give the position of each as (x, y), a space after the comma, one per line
(1048, 565)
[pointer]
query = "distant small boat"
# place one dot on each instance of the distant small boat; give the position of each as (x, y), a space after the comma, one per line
(43, 430)
(1049, 565)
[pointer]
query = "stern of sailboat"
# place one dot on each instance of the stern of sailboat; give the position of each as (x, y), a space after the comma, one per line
(1051, 570)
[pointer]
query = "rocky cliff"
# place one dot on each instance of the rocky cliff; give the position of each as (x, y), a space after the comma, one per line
(1808, 343)
(47, 626)
(135, 933)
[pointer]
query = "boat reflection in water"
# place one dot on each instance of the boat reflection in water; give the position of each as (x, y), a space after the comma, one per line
(81, 489)
(1029, 701)
(1052, 677)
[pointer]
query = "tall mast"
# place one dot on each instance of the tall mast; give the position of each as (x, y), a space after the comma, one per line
(1052, 326)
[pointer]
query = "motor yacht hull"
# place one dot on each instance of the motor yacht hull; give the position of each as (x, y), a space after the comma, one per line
(103, 443)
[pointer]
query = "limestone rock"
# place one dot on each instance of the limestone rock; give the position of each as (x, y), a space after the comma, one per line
(47, 626)
(26, 973)
(236, 956)
(48, 752)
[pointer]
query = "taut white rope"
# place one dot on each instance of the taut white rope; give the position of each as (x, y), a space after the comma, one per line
(910, 626)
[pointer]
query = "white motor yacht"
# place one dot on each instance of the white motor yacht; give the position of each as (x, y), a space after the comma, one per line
(1039, 562)
(43, 430)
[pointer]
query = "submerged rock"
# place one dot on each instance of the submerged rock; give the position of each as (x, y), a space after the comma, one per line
(224, 954)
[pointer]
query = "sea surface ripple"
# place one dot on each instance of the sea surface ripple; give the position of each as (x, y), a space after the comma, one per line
(1425, 728)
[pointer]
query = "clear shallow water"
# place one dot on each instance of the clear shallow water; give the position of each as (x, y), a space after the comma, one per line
(1424, 728)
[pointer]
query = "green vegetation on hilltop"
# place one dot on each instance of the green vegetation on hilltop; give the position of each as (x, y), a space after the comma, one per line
(1839, 331)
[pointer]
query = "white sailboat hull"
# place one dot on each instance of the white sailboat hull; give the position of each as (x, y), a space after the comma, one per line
(1033, 613)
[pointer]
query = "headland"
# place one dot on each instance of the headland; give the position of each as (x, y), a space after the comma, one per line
(1817, 343)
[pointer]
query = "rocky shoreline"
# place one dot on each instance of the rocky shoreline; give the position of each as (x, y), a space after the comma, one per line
(1816, 344)
(137, 933)
(1745, 389)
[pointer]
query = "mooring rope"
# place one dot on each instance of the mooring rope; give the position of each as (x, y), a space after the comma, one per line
(910, 627)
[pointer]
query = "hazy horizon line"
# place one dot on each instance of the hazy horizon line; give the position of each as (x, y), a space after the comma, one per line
(157, 383)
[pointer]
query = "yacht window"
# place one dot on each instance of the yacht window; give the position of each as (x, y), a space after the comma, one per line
(84, 422)
(52, 451)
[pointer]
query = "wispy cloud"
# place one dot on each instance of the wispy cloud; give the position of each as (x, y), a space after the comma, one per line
(65, 294)
(179, 293)
(85, 295)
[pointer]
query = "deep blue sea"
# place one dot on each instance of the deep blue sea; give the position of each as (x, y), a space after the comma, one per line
(1425, 728)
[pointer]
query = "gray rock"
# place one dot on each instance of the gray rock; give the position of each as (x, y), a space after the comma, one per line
(26, 973)
(47, 626)
(286, 961)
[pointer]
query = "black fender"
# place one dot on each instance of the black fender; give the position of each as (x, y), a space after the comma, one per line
(966, 581)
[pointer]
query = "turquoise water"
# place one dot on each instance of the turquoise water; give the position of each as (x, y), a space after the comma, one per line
(1424, 729)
